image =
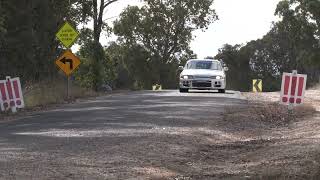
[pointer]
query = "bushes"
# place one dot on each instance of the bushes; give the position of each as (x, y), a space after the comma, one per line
(96, 69)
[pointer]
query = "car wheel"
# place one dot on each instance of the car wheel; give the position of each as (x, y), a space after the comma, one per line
(222, 91)
(183, 90)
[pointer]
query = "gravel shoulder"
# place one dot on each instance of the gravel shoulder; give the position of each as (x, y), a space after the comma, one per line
(158, 135)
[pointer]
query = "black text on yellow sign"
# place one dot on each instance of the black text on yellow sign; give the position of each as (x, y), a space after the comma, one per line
(68, 62)
(67, 35)
(257, 85)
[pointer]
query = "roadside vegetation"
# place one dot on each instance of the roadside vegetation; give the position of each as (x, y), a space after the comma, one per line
(152, 41)
(266, 109)
(43, 94)
(293, 43)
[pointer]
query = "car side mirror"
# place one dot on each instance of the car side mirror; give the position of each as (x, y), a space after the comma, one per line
(180, 68)
(226, 69)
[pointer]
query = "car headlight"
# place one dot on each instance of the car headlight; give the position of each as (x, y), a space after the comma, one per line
(219, 77)
(186, 77)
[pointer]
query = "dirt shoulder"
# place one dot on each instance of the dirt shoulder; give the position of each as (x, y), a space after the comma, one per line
(312, 97)
(280, 146)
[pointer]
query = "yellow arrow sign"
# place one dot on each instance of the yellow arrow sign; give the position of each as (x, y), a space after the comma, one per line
(257, 85)
(67, 35)
(68, 62)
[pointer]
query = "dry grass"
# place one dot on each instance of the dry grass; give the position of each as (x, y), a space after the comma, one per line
(45, 94)
(268, 113)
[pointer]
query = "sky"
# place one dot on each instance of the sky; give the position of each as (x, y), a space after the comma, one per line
(240, 21)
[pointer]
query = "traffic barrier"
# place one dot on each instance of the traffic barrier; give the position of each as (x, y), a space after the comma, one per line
(293, 88)
(11, 96)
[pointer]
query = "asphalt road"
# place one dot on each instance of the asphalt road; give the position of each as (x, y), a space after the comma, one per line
(139, 135)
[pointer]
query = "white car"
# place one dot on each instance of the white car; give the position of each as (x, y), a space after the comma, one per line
(206, 74)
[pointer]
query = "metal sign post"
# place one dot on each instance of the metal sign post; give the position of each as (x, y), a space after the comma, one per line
(68, 87)
(68, 62)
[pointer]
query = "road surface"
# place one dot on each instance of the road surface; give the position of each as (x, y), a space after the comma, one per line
(136, 135)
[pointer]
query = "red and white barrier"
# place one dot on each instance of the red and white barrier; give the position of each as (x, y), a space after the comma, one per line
(293, 88)
(11, 96)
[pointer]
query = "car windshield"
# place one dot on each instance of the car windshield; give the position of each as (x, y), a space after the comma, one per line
(204, 65)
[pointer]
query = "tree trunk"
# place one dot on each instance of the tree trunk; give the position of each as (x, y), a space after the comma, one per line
(98, 52)
(97, 24)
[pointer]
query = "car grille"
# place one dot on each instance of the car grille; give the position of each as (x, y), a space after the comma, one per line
(201, 84)
(186, 83)
(202, 77)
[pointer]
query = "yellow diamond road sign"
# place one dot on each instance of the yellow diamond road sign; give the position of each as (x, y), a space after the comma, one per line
(68, 62)
(67, 35)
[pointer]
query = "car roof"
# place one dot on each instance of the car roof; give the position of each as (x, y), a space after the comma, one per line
(213, 60)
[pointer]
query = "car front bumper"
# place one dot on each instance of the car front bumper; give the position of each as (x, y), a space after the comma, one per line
(203, 83)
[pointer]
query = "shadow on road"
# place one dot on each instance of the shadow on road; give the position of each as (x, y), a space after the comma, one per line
(210, 92)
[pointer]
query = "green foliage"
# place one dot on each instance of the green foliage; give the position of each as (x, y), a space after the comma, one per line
(152, 41)
(29, 47)
(2, 18)
(292, 44)
(164, 27)
(122, 78)
(86, 10)
(133, 67)
(89, 70)
(163, 32)
(236, 59)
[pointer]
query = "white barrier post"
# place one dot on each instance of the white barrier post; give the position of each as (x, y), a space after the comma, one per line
(291, 105)
(1, 102)
(14, 107)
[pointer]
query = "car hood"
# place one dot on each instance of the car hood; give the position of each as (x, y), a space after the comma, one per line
(202, 72)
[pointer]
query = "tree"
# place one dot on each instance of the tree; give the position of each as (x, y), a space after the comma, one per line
(292, 43)
(300, 28)
(98, 26)
(27, 37)
(85, 73)
(164, 28)
(307, 8)
(94, 10)
(2, 28)
(134, 70)
(236, 58)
